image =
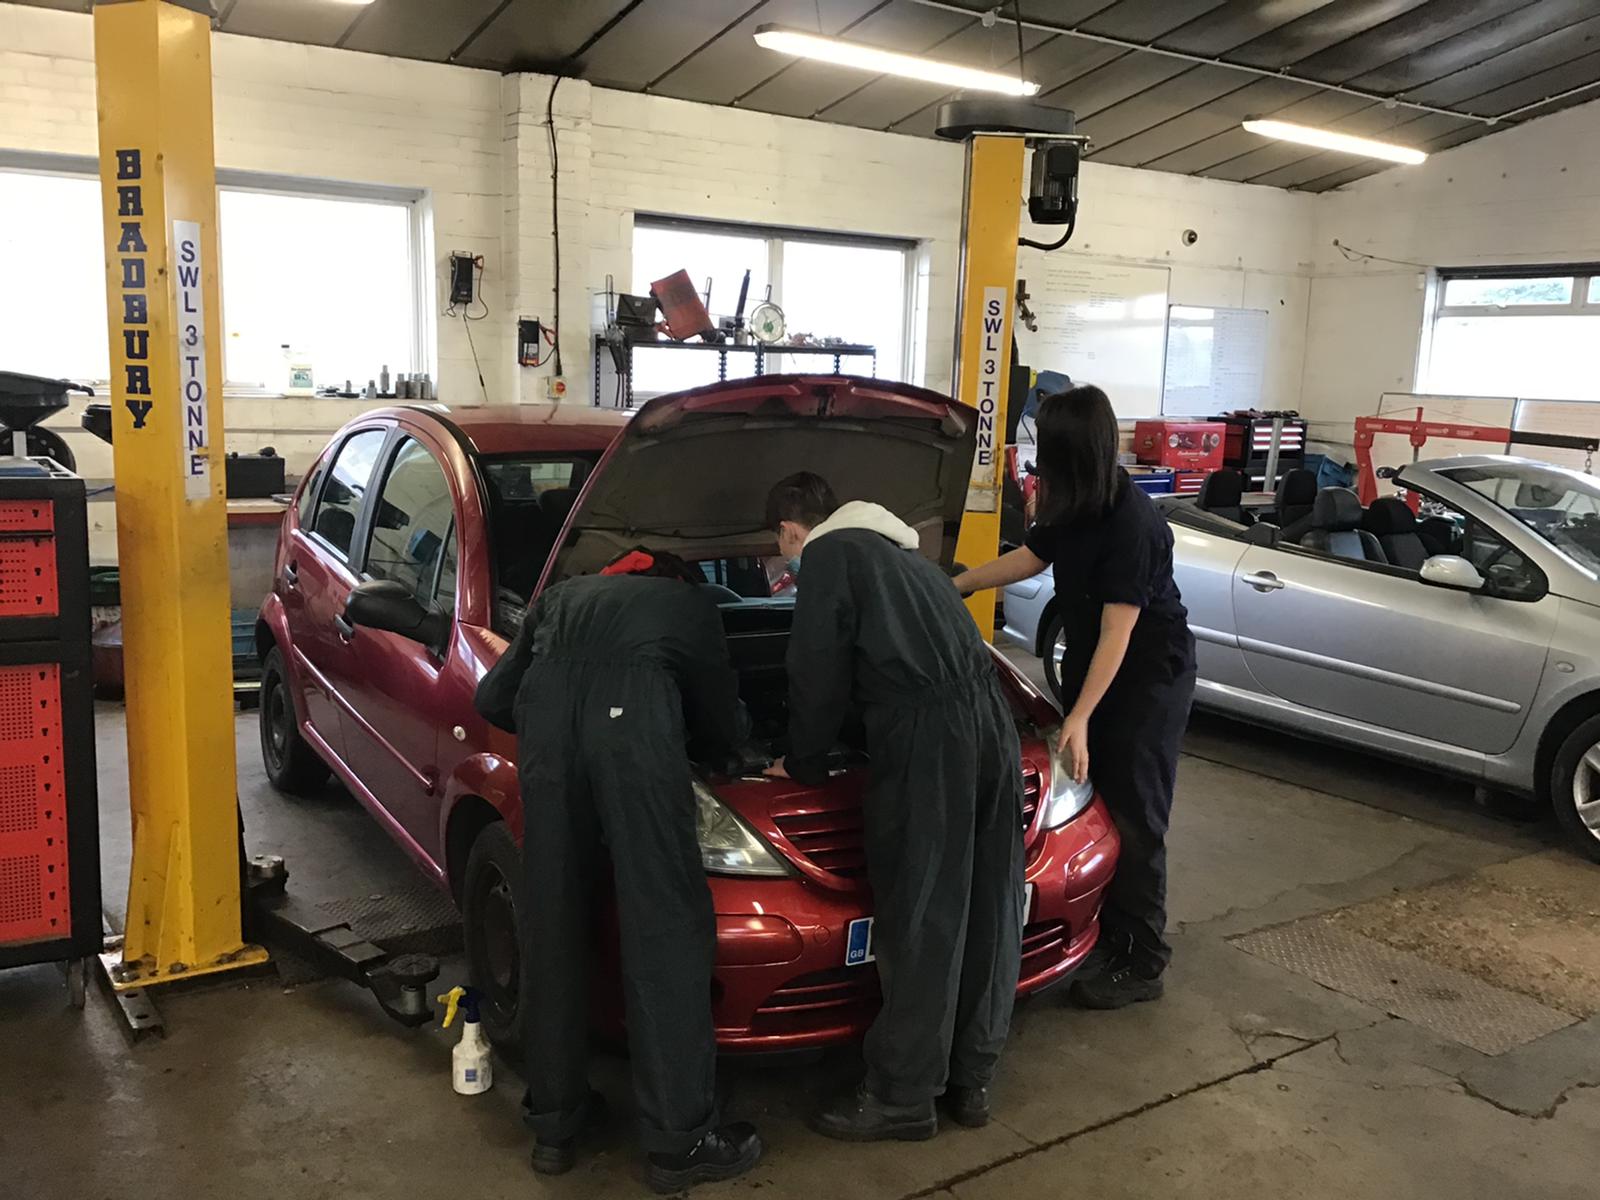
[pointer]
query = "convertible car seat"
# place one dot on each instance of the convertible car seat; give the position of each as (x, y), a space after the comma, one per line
(1336, 528)
(1392, 522)
(1297, 493)
(1222, 492)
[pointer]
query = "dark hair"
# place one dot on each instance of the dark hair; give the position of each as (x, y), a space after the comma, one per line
(665, 566)
(1078, 440)
(803, 498)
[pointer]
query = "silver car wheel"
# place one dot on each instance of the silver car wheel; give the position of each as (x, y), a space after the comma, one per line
(1586, 789)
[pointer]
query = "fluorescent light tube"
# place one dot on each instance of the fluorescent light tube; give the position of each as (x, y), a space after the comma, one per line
(888, 62)
(1327, 139)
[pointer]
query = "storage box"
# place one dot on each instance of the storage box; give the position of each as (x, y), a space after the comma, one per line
(1183, 445)
(1152, 482)
(1187, 483)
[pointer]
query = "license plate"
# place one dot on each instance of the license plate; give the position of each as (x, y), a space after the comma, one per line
(858, 941)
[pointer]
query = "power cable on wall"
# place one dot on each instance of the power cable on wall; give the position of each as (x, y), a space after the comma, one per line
(555, 214)
(1351, 254)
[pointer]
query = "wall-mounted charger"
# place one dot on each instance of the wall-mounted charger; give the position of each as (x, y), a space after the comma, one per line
(463, 277)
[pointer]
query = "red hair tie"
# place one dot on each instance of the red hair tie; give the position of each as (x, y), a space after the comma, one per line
(630, 564)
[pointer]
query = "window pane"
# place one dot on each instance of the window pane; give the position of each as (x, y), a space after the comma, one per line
(445, 593)
(52, 259)
(341, 496)
(1562, 508)
(1551, 357)
(1504, 293)
(308, 494)
(857, 293)
(660, 250)
(1594, 290)
(329, 278)
(411, 523)
(529, 500)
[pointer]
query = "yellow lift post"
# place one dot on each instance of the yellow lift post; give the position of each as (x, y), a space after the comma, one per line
(158, 184)
(997, 134)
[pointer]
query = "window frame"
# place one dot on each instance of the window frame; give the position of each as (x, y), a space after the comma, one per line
(389, 456)
(360, 532)
(1581, 274)
(776, 235)
(414, 200)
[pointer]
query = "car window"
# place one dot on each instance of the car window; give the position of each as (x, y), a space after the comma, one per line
(529, 500)
(445, 592)
(1562, 507)
(308, 494)
(347, 483)
(412, 522)
(1509, 574)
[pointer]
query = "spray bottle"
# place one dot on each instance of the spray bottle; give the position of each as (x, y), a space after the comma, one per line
(471, 1065)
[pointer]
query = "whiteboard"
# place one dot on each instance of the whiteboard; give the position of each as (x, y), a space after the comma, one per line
(1395, 450)
(1216, 360)
(1103, 323)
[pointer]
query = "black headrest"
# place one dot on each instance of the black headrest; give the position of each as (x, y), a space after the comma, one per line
(1335, 509)
(556, 504)
(1388, 515)
(1221, 489)
(1298, 486)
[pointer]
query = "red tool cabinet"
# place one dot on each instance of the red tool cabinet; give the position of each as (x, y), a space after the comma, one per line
(49, 819)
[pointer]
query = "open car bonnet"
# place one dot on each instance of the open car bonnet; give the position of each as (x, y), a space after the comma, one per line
(691, 472)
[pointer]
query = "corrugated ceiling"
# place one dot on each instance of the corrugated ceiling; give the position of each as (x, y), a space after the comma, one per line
(1128, 68)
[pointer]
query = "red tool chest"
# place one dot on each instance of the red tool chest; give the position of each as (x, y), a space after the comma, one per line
(1180, 445)
(49, 819)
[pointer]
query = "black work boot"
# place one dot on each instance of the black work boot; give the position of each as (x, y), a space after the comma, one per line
(968, 1106)
(860, 1116)
(1118, 986)
(725, 1153)
(1106, 950)
(552, 1156)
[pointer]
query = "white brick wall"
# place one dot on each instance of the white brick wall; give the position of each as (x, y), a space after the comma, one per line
(1527, 195)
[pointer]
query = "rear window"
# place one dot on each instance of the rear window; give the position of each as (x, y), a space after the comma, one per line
(340, 503)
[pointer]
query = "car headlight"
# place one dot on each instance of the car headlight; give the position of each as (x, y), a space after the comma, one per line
(1067, 797)
(727, 845)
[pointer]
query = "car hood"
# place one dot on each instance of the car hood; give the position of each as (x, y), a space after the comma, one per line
(690, 473)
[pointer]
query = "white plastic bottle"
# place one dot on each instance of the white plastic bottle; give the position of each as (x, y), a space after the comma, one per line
(471, 1062)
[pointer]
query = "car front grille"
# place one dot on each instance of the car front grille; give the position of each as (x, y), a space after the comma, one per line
(1031, 786)
(1043, 946)
(832, 839)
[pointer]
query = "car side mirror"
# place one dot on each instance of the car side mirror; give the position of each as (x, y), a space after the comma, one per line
(388, 604)
(1452, 571)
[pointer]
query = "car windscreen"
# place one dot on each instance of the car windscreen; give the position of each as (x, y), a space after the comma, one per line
(1562, 507)
(529, 499)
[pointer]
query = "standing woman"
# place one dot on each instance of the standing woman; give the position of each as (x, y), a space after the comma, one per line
(1127, 676)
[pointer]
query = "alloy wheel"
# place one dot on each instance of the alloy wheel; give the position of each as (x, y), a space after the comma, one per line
(1586, 789)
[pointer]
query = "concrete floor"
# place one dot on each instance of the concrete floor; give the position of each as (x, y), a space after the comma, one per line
(1248, 1080)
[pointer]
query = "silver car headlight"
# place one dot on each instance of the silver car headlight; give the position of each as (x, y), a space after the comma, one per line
(1067, 797)
(727, 845)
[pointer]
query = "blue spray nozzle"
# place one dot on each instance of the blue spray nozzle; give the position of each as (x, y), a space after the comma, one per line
(470, 1002)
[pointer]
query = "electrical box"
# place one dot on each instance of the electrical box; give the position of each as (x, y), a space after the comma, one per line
(49, 815)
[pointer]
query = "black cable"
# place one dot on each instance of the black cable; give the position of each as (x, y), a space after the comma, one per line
(1016, 13)
(555, 211)
(1072, 223)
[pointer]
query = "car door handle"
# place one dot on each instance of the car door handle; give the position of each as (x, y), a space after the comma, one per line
(1264, 581)
(291, 575)
(343, 626)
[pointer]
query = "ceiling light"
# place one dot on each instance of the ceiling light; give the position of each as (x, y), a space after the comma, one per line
(888, 62)
(1327, 139)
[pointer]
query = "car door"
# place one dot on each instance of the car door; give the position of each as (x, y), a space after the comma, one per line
(391, 727)
(316, 577)
(1376, 644)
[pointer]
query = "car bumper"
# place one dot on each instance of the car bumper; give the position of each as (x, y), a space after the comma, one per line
(781, 982)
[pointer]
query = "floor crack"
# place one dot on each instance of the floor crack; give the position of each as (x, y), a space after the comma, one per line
(1543, 1114)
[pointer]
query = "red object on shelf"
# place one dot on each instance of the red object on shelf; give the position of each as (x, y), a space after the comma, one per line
(1187, 483)
(1250, 437)
(1182, 445)
(35, 900)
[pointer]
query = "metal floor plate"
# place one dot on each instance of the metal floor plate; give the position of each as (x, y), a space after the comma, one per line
(408, 921)
(1450, 1003)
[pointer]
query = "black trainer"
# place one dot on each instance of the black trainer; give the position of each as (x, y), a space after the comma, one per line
(552, 1157)
(725, 1153)
(1118, 986)
(968, 1106)
(861, 1117)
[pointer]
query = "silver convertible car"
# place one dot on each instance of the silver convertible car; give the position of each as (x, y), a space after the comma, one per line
(1468, 641)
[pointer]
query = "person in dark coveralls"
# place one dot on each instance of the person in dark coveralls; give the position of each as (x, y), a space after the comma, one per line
(606, 682)
(1128, 673)
(878, 628)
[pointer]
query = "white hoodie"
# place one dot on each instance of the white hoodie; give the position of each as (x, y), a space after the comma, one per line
(862, 514)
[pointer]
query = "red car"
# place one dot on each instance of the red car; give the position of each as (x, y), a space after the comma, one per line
(409, 557)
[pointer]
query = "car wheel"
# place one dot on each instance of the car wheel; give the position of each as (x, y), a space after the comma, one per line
(1575, 787)
(292, 765)
(1053, 644)
(493, 935)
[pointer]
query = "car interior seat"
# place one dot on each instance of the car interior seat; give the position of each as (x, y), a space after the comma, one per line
(1222, 493)
(1336, 528)
(1439, 535)
(1392, 522)
(1297, 493)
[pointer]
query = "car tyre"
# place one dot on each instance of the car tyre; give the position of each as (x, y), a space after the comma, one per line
(1050, 643)
(292, 765)
(492, 931)
(1575, 788)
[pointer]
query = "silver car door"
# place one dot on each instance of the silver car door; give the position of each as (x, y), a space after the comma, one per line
(1378, 645)
(1204, 557)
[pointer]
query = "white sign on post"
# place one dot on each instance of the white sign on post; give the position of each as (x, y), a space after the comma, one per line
(982, 493)
(191, 318)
